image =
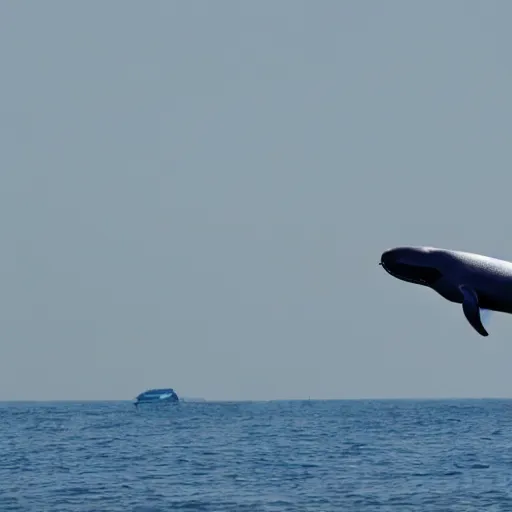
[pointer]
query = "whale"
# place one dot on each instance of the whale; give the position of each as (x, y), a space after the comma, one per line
(475, 281)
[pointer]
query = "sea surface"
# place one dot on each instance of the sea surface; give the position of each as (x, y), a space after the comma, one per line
(269, 456)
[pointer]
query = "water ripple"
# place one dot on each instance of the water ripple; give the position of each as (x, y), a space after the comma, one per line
(276, 456)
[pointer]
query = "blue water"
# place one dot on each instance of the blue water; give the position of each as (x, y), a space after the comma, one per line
(280, 456)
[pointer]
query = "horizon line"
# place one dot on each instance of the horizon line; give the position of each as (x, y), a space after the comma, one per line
(263, 400)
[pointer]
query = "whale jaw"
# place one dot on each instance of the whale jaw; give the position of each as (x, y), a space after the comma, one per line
(404, 274)
(412, 265)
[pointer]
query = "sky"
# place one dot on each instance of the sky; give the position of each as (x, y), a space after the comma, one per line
(196, 195)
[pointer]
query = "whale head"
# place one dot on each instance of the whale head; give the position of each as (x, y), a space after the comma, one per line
(418, 265)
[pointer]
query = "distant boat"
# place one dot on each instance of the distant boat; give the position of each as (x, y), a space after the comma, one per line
(157, 396)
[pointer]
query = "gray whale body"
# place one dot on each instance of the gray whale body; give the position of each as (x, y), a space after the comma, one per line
(475, 281)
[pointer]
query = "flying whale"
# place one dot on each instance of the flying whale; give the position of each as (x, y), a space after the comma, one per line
(475, 281)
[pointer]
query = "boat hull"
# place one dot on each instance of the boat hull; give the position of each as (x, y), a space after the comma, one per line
(157, 396)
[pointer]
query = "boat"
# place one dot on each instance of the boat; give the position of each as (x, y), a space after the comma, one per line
(166, 395)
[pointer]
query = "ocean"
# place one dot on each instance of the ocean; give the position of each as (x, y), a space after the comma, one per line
(271, 456)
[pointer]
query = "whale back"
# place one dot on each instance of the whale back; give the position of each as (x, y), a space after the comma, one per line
(483, 264)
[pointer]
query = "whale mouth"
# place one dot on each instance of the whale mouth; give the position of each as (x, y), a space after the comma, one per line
(410, 273)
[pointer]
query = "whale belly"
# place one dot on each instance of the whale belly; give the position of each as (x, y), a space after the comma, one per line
(495, 301)
(448, 290)
(494, 293)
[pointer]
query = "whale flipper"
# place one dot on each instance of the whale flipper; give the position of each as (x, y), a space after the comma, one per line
(472, 310)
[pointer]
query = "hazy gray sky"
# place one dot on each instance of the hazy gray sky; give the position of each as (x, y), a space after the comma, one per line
(197, 194)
